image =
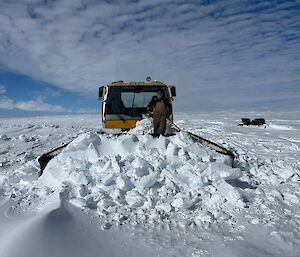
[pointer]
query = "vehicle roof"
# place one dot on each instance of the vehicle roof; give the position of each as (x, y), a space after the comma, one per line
(132, 84)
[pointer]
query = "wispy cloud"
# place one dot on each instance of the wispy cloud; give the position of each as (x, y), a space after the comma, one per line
(217, 50)
(6, 103)
(2, 89)
(39, 104)
(31, 105)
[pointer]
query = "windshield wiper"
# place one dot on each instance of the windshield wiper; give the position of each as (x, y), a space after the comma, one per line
(133, 100)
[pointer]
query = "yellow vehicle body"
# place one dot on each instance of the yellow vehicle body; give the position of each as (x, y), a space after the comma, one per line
(120, 124)
(128, 115)
(136, 84)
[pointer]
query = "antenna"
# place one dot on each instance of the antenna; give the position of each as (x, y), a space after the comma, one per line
(117, 68)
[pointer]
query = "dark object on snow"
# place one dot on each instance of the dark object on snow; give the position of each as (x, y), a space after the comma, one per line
(258, 122)
(255, 122)
(246, 121)
(47, 157)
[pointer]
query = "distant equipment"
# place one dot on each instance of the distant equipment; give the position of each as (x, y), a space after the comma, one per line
(246, 121)
(254, 122)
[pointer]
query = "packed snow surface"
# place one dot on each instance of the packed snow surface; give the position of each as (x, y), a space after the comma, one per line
(133, 195)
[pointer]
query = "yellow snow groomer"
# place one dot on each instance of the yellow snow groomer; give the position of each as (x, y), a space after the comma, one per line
(124, 103)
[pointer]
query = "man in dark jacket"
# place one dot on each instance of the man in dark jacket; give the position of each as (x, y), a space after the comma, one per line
(162, 109)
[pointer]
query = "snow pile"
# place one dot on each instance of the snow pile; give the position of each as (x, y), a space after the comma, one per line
(143, 126)
(135, 177)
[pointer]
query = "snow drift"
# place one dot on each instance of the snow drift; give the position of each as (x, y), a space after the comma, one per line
(135, 177)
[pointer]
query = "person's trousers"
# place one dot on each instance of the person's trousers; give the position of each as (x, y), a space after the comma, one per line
(159, 124)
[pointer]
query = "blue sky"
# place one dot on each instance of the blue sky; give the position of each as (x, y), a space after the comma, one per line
(233, 54)
(27, 96)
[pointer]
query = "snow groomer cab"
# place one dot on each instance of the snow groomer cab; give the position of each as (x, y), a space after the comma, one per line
(125, 103)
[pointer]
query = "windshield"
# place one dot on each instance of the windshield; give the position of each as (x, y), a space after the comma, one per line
(125, 99)
(139, 100)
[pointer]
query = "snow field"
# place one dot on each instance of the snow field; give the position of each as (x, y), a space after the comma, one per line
(181, 198)
(24, 139)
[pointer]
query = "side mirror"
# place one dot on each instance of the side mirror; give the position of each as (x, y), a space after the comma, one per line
(101, 92)
(173, 91)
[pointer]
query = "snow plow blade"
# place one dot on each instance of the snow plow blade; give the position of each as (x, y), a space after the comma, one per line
(212, 145)
(47, 157)
(205, 142)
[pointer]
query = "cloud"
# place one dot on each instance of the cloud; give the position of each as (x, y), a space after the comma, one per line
(43, 95)
(39, 104)
(2, 89)
(217, 50)
(31, 105)
(6, 103)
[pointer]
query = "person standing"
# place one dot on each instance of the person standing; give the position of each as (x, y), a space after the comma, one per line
(162, 109)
